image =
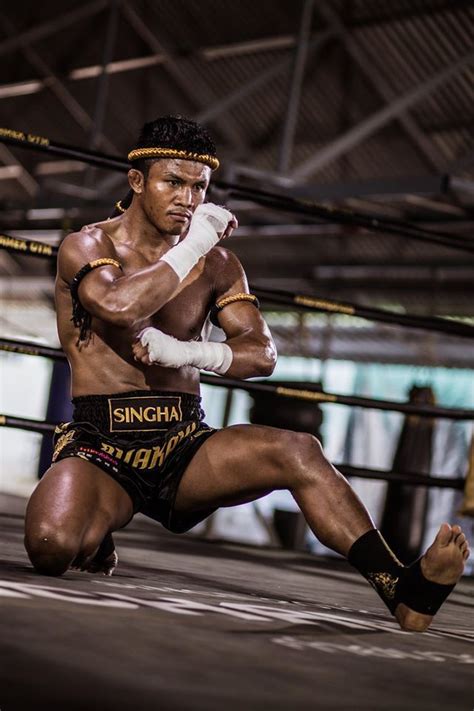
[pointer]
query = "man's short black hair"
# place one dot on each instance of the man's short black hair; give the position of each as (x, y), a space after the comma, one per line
(175, 132)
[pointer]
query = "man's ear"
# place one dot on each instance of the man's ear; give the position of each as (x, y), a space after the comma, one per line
(136, 180)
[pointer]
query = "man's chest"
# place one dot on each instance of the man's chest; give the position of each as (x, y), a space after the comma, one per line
(183, 316)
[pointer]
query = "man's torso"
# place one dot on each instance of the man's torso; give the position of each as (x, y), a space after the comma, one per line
(105, 363)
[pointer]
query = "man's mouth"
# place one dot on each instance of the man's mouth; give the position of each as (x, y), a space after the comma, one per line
(180, 216)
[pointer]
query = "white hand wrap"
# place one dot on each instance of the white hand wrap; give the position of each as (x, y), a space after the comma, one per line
(171, 353)
(207, 225)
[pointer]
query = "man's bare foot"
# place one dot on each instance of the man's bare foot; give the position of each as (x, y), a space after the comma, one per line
(104, 561)
(442, 563)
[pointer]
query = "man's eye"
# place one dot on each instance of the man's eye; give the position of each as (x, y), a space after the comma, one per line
(173, 182)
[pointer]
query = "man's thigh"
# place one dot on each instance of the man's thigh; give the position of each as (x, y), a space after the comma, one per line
(237, 464)
(76, 492)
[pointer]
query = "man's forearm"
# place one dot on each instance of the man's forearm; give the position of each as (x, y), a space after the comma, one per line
(130, 299)
(133, 298)
(252, 356)
(244, 356)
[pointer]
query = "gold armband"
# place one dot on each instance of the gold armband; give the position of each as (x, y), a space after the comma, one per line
(232, 299)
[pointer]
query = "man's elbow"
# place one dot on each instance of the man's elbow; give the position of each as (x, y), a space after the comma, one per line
(268, 357)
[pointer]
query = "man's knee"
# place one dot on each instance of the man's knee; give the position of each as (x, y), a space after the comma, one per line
(305, 458)
(51, 549)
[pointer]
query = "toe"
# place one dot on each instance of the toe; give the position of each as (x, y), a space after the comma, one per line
(444, 535)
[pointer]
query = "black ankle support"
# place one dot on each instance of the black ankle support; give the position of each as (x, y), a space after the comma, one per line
(394, 582)
(372, 557)
(420, 594)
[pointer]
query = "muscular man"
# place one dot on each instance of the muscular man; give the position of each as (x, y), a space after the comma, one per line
(133, 297)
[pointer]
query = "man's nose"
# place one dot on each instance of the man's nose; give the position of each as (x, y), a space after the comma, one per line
(184, 195)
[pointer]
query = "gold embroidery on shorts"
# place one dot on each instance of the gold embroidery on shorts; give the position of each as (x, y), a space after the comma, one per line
(61, 427)
(149, 457)
(62, 442)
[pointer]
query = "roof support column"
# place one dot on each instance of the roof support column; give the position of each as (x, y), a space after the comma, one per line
(295, 86)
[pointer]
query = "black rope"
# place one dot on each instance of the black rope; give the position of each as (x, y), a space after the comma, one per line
(401, 477)
(309, 393)
(306, 302)
(312, 393)
(24, 424)
(41, 143)
(303, 302)
(345, 217)
(265, 198)
(27, 247)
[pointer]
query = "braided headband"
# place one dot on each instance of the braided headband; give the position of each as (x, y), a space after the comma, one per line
(205, 158)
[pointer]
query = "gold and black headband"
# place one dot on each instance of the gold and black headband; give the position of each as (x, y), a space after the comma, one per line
(205, 158)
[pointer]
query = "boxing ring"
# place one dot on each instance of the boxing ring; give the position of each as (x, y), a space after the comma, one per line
(187, 623)
(190, 624)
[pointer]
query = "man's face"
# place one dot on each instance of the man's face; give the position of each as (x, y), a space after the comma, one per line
(172, 191)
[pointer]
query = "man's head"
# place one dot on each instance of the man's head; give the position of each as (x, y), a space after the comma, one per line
(173, 137)
(171, 169)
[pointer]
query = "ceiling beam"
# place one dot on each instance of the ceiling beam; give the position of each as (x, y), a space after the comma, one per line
(425, 146)
(463, 161)
(295, 87)
(51, 81)
(51, 27)
(375, 187)
(365, 128)
(225, 103)
(183, 74)
(25, 179)
(385, 13)
(103, 79)
(210, 54)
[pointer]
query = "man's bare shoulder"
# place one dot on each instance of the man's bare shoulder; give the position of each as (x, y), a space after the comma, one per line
(223, 259)
(78, 248)
(227, 271)
(88, 236)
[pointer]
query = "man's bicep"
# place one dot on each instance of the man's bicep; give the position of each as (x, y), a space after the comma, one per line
(88, 266)
(94, 287)
(80, 249)
(242, 317)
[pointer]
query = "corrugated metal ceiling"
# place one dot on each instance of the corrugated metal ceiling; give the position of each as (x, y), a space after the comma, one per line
(191, 56)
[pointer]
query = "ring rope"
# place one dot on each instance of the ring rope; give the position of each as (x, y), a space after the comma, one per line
(275, 200)
(27, 247)
(304, 302)
(363, 473)
(309, 393)
(346, 217)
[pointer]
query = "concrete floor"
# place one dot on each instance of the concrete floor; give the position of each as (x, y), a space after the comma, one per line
(186, 624)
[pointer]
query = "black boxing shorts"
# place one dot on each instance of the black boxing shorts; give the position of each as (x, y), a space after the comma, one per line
(142, 439)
